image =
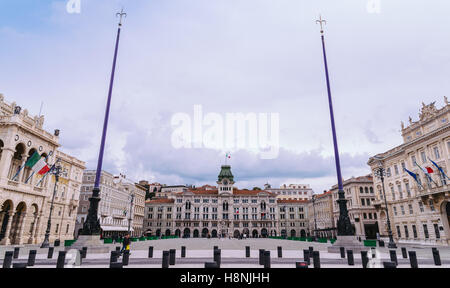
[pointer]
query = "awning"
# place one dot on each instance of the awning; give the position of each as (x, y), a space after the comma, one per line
(116, 228)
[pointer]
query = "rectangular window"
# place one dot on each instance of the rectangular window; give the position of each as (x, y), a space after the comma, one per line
(425, 231)
(408, 190)
(410, 209)
(395, 211)
(402, 209)
(436, 231)
(413, 160)
(398, 232)
(414, 231)
(436, 153)
(396, 169)
(406, 231)
(423, 156)
(421, 206)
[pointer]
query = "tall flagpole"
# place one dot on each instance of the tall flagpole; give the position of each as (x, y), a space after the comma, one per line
(344, 226)
(92, 225)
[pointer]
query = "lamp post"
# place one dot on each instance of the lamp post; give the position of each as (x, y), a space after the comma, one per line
(57, 172)
(131, 211)
(344, 225)
(380, 172)
(315, 221)
(92, 224)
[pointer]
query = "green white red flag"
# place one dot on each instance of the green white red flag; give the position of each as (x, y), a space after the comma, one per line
(37, 164)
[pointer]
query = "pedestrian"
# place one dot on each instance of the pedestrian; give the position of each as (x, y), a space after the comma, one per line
(125, 243)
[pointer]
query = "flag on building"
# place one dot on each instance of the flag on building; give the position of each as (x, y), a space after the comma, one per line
(429, 169)
(228, 155)
(414, 175)
(37, 164)
(439, 168)
(425, 171)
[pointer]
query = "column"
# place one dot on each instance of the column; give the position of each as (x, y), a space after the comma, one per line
(37, 228)
(5, 240)
(33, 229)
(22, 224)
(5, 162)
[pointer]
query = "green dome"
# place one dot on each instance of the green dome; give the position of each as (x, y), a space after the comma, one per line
(225, 172)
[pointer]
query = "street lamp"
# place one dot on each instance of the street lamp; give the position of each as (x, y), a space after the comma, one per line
(315, 221)
(131, 211)
(57, 172)
(380, 172)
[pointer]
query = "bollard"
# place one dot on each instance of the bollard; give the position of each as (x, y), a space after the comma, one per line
(316, 259)
(404, 253)
(413, 259)
(115, 265)
(393, 255)
(117, 248)
(217, 257)
(381, 243)
(247, 251)
(211, 265)
(364, 259)
(306, 256)
(389, 265)
(261, 256)
(183, 251)
(301, 264)
(311, 249)
(126, 257)
(165, 259)
(342, 249)
(374, 255)
(50, 252)
(215, 248)
(114, 256)
(436, 257)
(7, 261)
(61, 259)
(172, 256)
(150, 252)
(350, 259)
(57, 243)
(16, 252)
(31, 258)
(20, 265)
(83, 252)
(266, 259)
(280, 252)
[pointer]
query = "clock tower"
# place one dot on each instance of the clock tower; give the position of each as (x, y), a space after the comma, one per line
(226, 180)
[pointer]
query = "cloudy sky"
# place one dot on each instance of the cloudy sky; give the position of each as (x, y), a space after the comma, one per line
(230, 56)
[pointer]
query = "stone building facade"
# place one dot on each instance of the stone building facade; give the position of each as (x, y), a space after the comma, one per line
(418, 213)
(321, 218)
(360, 197)
(24, 199)
(224, 211)
(116, 211)
(291, 191)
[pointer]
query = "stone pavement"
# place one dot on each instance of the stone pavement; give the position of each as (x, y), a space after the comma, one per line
(199, 251)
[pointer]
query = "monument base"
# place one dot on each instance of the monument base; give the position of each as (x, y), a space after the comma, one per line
(349, 243)
(92, 242)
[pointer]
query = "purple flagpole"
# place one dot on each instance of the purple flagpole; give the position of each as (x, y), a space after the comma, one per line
(92, 225)
(344, 225)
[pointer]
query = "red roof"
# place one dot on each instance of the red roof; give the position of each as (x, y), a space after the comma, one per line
(159, 201)
(288, 201)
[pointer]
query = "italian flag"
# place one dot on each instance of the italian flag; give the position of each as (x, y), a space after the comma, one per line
(37, 164)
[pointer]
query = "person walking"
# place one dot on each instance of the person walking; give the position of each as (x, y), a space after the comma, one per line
(125, 243)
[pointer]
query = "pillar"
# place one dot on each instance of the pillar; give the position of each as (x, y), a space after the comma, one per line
(5, 240)
(5, 162)
(37, 229)
(23, 225)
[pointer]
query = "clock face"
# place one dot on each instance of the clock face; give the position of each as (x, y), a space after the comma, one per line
(225, 182)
